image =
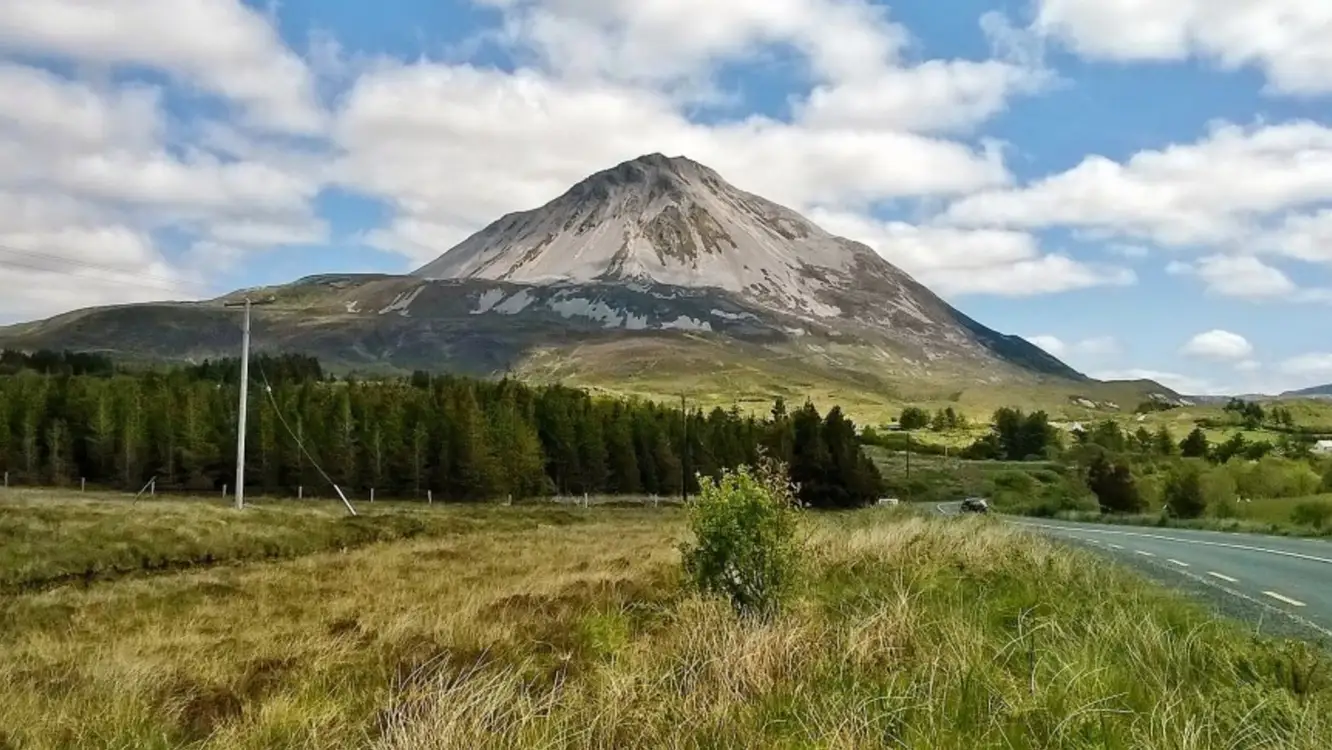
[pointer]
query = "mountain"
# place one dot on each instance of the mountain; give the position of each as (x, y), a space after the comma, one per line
(1318, 391)
(656, 276)
(676, 223)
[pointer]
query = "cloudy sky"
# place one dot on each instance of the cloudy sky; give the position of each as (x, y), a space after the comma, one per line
(1144, 189)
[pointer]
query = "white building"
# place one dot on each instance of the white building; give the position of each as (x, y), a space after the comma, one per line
(1323, 447)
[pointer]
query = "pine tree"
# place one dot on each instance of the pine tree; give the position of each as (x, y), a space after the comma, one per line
(130, 440)
(810, 457)
(33, 408)
(779, 435)
(101, 436)
(420, 446)
(520, 463)
(621, 457)
(1164, 442)
(591, 451)
(559, 440)
(475, 474)
(58, 450)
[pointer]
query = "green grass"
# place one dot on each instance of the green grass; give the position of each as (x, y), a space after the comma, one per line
(871, 386)
(911, 632)
(1264, 516)
(49, 537)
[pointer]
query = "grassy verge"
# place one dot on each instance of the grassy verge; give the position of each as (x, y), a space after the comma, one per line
(48, 537)
(1246, 525)
(910, 632)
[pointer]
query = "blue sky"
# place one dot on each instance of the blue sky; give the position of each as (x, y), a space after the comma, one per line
(1142, 190)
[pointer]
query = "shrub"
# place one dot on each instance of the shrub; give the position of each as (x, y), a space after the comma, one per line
(1112, 483)
(1183, 494)
(745, 548)
(1315, 513)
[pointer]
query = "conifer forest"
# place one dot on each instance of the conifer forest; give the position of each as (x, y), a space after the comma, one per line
(68, 418)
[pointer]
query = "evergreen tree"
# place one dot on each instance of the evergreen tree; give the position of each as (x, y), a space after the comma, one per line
(59, 450)
(1195, 445)
(591, 451)
(475, 474)
(621, 458)
(520, 463)
(940, 421)
(1143, 441)
(1164, 442)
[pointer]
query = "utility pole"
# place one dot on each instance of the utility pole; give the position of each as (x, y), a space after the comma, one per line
(244, 398)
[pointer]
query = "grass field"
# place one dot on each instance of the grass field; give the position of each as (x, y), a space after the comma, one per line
(48, 538)
(1264, 516)
(573, 630)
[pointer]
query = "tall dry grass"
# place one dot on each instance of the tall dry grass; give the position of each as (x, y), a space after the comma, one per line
(909, 633)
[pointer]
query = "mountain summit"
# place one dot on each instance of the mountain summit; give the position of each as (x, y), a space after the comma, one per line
(672, 221)
(669, 221)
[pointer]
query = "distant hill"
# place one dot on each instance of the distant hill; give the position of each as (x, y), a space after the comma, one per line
(1318, 391)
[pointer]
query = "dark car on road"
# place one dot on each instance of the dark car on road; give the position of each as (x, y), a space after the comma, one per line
(975, 505)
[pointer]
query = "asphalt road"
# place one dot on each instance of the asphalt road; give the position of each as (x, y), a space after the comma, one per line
(1258, 574)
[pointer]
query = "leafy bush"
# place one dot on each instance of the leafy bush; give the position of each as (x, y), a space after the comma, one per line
(745, 526)
(1315, 513)
(1184, 497)
(1112, 483)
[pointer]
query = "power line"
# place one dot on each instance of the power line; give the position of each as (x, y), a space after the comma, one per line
(31, 263)
(268, 389)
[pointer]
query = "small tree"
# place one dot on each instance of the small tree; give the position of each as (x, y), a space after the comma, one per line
(1112, 483)
(1164, 442)
(1184, 493)
(1195, 445)
(745, 548)
(914, 418)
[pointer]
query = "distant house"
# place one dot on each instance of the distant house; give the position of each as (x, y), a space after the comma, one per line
(1323, 447)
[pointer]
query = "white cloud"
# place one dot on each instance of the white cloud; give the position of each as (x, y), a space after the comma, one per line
(1314, 365)
(1249, 365)
(1133, 252)
(607, 81)
(494, 132)
(1247, 277)
(1208, 193)
(221, 46)
(935, 95)
(1306, 237)
(1218, 345)
(1052, 344)
(1100, 346)
(954, 261)
(1243, 276)
(88, 173)
(664, 42)
(1286, 39)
